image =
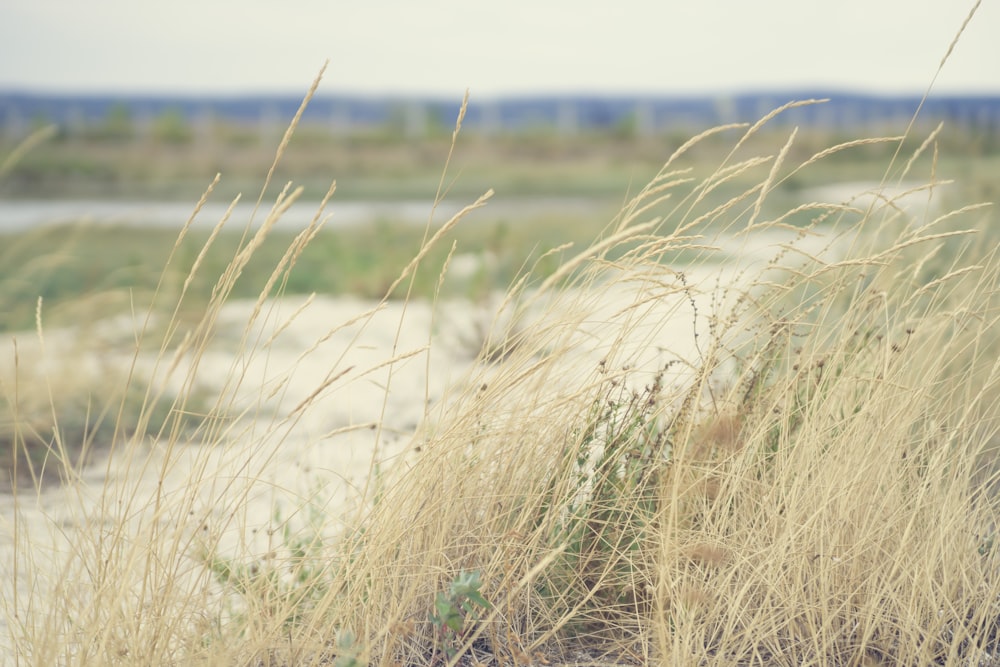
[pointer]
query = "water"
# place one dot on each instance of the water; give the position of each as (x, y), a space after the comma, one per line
(24, 215)
(28, 214)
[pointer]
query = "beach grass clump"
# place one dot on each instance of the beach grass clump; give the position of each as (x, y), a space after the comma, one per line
(810, 482)
(787, 457)
(797, 494)
(64, 408)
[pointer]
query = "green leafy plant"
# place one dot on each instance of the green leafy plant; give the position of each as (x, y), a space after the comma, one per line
(457, 612)
(347, 650)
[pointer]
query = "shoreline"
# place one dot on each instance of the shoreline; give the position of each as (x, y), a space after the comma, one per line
(25, 215)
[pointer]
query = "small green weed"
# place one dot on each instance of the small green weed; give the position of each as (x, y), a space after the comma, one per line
(456, 613)
(348, 649)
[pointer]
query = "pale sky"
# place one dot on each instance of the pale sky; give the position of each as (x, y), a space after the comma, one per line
(442, 47)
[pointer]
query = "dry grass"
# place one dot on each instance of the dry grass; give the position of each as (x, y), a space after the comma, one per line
(788, 460)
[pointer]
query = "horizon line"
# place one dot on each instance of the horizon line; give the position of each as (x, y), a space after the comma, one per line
(804, 89)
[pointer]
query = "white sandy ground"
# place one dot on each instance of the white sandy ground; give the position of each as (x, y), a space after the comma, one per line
(374, 378)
